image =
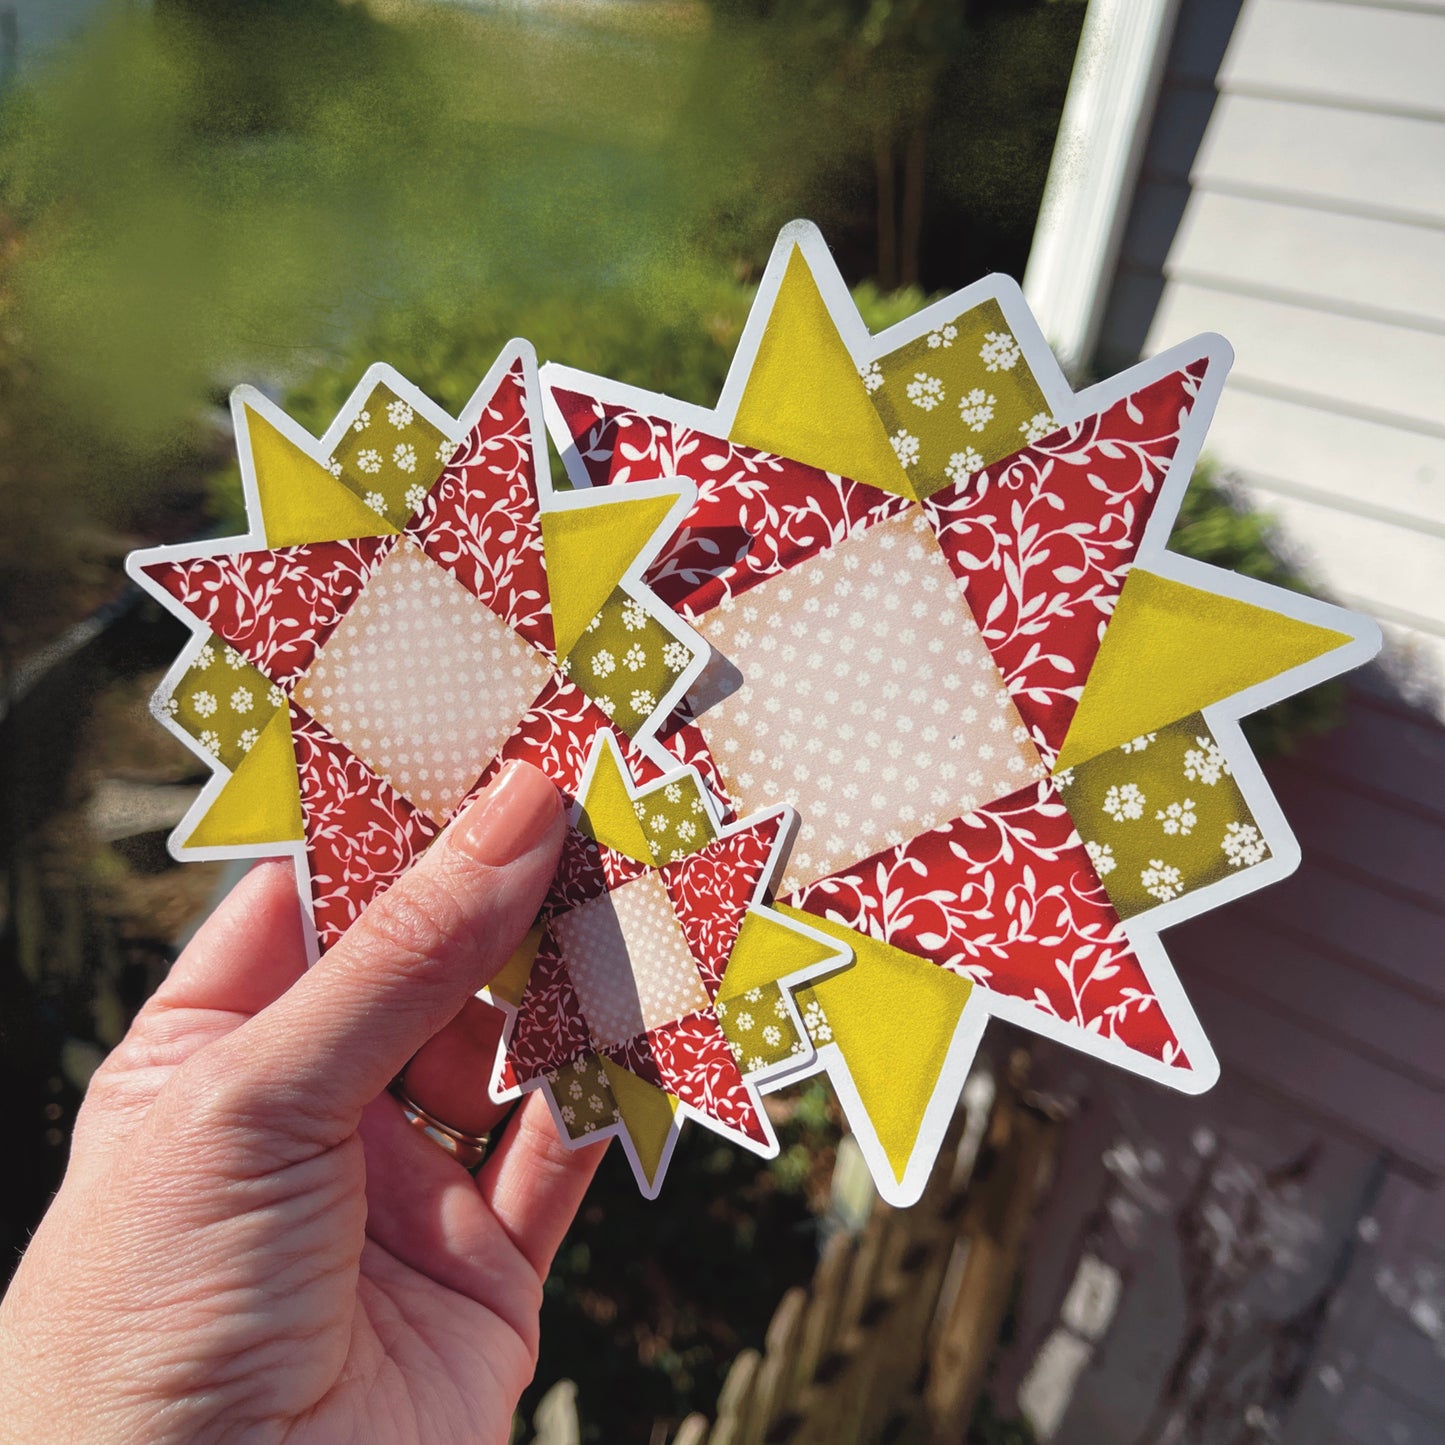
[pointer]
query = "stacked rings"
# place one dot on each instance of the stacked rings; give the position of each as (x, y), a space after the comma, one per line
(467, 1149)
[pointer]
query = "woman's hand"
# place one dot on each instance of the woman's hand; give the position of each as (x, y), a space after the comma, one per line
(250, 1241)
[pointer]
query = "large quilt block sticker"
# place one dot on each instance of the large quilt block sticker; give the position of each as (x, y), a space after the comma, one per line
(947, 629)
(413, 604)
(659, 984)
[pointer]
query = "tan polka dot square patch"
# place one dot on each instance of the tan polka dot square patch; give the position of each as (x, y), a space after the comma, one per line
(629, 961)
(868, 700)
(422, 681)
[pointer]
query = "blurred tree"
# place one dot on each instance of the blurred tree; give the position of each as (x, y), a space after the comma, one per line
(878, 64)
(942, 116)
(265, 66)
(207, 197)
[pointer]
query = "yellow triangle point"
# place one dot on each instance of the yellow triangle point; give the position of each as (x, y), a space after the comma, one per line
(1170, 650)
(893, 1017)
(511, 983)
(648, 1112)
(768, 949)
(587, 550)
(804, 398)
(609, 814)
(261, 801)
(300, 500)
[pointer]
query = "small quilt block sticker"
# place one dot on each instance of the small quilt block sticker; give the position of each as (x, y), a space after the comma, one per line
(640, 1003)
(948, 631)
(406, 610)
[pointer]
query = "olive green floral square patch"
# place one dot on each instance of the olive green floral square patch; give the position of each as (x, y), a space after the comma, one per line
(584, 1097)
(626, 661)
(674, 819)
(1162, 816)
(958, 399)
(223, 702)
(391, 456)
(759, 1029)
(815, 1021)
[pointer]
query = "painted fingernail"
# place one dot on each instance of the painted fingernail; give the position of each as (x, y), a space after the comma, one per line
(510, 818)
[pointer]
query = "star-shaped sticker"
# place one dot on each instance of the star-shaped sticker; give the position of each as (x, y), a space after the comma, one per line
(658, 984)
(413, 605)
(947, 630)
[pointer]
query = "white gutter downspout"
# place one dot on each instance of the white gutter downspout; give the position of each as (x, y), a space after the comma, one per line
(1102, 134)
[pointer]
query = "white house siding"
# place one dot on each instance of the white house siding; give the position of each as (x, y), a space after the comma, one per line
(1314, 238)
(1161, 195)
(1279, 1243)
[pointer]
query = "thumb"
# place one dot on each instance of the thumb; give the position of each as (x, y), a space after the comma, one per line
(305, 1066)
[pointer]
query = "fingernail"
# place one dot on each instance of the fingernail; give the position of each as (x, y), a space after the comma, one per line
(510, 818)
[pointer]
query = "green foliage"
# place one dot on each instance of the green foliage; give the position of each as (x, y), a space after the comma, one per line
(214, 199)
(676, 337)
(881, 309)
(215, 191)
(52, 558)
(1211, 528)
(807, 1140)
(942, 117)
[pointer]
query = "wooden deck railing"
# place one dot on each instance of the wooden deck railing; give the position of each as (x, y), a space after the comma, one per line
(892, 1337)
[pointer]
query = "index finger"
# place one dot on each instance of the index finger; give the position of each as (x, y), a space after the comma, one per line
(304, 1068)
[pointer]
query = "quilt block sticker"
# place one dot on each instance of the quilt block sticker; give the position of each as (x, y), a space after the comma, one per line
(948, 632)
(659, 984)
(413, 605)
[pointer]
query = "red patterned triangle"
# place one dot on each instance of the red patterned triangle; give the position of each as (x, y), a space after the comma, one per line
(1024, 914)
(692, 1060)
(731, 539)
(1043, 540)
(482, 520)
(276, 607)
(551, 1029)
(361, 834)
(710, 892)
